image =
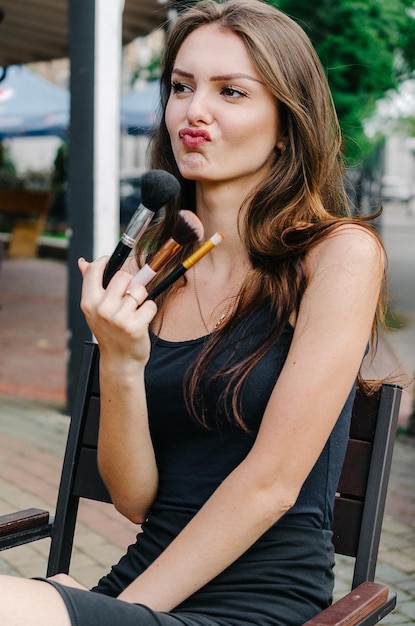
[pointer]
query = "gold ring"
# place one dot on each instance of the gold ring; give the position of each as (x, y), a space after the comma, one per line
(128, 293)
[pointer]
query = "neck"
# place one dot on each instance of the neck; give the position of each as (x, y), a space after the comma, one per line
(219, 209)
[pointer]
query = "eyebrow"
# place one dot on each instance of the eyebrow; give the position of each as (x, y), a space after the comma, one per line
(220, 77)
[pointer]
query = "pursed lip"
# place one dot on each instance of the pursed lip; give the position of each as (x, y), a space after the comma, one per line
(194, 137)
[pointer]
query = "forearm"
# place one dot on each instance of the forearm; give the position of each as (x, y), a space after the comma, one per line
(125, 450)
(235, 516)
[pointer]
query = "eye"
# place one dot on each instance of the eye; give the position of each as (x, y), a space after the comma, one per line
(233, 93)
(178, 88)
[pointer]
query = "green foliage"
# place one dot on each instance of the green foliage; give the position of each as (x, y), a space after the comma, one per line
(406, 125)
(57, 217)
(6, 162)
(366, 47)
(8, 175)
(60, 167)
(147, 71)
(31, 179)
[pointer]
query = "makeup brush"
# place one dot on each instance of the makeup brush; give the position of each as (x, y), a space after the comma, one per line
(187, 230)
(157, 188)
(206, 247)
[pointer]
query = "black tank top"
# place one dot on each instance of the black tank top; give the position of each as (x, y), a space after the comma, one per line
(193, 460)
(286, 576)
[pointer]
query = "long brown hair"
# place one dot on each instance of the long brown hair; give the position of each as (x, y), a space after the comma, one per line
(303, 197)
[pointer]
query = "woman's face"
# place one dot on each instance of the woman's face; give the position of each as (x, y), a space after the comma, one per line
(221, 117)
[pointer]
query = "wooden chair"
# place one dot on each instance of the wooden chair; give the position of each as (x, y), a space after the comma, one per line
(359, 504)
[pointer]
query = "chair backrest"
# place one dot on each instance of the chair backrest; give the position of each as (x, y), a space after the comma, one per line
(361, 494)
(80, 477)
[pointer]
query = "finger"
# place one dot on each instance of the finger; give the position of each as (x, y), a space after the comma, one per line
(82, 265)
(92, 272)
(136, 296)
(130, 266)
(92, 290)
(135, 299)
(128, 294)
(148, 311)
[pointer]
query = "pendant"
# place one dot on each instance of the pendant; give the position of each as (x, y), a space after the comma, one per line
(220, 320)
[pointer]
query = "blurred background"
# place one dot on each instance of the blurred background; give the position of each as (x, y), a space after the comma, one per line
(57, 85)
(78, 101)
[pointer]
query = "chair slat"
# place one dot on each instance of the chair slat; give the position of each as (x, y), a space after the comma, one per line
(95, 377)
(355, 469)
(88, 482)
(346, 526)
(90, 434)
(364, 416)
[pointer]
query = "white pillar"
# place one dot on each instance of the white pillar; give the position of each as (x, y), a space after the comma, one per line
(108, 47)
(95, 53)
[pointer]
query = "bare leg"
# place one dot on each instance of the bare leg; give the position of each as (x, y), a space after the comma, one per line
(33, 602)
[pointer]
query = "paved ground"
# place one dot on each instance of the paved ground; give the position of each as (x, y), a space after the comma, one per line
(33, 424)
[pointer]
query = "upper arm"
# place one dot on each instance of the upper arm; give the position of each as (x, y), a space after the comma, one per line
(331, 333)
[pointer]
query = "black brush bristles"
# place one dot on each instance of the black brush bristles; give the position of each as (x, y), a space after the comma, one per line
(157, 188)
(188, 228)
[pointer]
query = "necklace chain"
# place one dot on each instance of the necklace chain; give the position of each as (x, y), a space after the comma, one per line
(222, 317)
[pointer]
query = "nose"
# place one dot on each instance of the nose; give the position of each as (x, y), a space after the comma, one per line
(199, 109)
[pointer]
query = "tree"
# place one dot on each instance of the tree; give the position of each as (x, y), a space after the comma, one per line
(8, 174)
(366, 47)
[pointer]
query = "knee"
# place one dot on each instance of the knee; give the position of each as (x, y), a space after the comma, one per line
(68, 581)
(62, 579)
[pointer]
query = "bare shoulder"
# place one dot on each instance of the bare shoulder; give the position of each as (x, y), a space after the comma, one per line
(348, 246)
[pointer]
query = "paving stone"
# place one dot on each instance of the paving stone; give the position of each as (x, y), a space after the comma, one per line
(408, 608)
(400, 560)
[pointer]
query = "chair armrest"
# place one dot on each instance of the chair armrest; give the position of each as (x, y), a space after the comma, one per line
(353, 608)
(22, 520)
(24, 526)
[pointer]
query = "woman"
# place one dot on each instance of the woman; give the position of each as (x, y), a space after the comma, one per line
(226, 406)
